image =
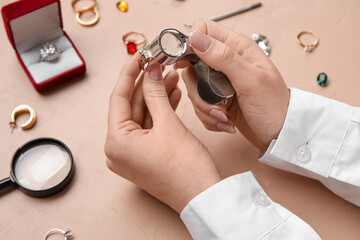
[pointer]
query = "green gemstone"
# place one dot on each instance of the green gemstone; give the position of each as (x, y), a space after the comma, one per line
(322, 79)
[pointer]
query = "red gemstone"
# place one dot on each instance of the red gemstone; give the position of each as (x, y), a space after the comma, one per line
(131, 48)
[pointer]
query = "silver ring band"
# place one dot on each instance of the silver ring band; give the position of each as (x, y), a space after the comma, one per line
(67, 234)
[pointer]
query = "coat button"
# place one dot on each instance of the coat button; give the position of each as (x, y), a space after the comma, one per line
(303, 154)
(261, 199)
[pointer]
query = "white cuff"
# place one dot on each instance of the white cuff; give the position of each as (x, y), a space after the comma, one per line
(238, 208)
(320, 139)
(311, 138)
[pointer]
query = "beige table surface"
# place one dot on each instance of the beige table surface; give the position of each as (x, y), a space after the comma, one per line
(100, 205)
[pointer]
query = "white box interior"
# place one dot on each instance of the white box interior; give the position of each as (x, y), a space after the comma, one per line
(31, 30)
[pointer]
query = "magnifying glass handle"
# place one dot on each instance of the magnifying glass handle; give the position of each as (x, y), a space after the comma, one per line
(5, 183)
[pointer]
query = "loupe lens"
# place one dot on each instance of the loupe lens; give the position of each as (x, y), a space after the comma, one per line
(171, 44)
(42, 166)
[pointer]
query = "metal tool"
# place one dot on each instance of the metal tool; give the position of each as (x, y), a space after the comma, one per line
(170, 46)
(232, 13)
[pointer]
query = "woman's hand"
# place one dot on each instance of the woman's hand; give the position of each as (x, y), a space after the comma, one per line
(148, 144)
(262, 97)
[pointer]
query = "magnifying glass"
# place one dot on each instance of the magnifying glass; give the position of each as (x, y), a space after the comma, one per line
(170, 46)
(41, 167)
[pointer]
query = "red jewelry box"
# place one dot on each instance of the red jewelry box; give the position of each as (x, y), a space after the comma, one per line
(31, 23)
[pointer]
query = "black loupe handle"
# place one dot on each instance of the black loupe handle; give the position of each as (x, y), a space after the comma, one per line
(5, 183)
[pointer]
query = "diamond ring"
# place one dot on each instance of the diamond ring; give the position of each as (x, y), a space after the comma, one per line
(308, 47)
(67, 234)
(49, 52)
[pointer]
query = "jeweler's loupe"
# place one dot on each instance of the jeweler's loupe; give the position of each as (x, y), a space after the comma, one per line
(41, 167)
(170, 46)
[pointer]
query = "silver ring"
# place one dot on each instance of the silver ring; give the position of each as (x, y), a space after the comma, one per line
(49, 52)
(67, 234)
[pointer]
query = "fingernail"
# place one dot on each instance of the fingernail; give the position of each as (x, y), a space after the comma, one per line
(225, 127)
(219, 115)
(155, 72)
(199, 41)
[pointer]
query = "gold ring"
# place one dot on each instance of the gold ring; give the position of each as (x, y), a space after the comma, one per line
(133, 44)
(142, 41)
(309, 47)
(93, 5)
(91, 22)
(23, 109)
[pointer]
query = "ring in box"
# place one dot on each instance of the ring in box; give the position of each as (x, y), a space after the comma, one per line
(31, 24)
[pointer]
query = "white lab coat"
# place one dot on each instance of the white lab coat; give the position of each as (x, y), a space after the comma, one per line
(320, 139)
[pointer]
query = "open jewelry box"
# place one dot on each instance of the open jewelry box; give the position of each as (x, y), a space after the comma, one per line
(31, 23)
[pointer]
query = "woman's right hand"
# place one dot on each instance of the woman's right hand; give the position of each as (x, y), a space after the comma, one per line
(259, 108)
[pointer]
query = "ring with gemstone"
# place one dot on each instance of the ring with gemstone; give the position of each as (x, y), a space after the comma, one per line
(67, 233)
(308, 47)
(132, 44)
(49, 52)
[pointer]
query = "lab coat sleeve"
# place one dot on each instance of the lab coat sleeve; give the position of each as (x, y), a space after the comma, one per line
(320, 139)
(238, 208)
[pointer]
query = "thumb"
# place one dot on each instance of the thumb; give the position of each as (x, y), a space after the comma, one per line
(219, 56)
(155, 94)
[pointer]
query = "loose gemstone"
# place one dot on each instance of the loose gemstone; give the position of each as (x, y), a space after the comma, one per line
(322, 79)
(262, 42)
(131, 48)
(122, 6)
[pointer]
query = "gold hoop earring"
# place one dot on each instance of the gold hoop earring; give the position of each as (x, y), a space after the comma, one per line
(23, 109)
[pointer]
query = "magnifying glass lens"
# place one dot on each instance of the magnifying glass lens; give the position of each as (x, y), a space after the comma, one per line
(42, 166)
(171, 44)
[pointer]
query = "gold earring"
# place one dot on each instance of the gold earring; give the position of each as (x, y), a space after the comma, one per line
(23, 109)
